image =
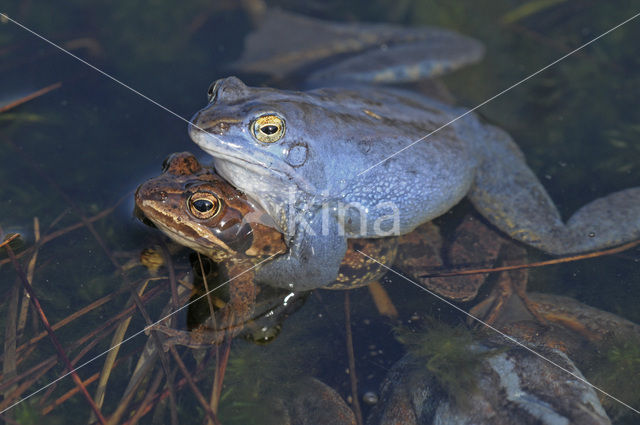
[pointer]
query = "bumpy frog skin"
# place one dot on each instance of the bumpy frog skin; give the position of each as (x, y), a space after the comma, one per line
(302, 155)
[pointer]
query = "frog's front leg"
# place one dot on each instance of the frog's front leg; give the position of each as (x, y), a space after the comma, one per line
(313, 258)
(508, 194)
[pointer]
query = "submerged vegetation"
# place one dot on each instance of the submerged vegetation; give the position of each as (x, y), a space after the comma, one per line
(617, 368)
(260, 378)
(451, 354)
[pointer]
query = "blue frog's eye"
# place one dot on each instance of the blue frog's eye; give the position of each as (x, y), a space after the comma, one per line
(204, 205)
(268, 128)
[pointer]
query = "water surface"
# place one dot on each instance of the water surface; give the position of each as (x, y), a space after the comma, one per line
(76, 151)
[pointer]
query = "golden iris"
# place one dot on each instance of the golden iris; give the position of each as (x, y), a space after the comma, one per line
(268, 128)
(204, 205)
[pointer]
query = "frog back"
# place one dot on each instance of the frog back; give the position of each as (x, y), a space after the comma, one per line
(402, 155)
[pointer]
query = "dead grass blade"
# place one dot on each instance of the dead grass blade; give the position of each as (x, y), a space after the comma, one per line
(114, 349)
(31, 96)
(569, 259)
(66, 396)
(24, 307)
(8, 240)
(9, 363)
(222, 359)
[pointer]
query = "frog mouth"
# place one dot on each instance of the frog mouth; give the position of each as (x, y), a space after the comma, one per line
(181, 233)
(284, 173)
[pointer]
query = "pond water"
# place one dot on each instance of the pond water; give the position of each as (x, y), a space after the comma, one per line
(71, 159)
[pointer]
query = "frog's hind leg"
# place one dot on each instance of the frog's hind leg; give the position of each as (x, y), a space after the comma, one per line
(511, 197)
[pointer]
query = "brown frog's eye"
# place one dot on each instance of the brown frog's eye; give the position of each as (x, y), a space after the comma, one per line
(268, 128)
(212, 92)
(204, 205)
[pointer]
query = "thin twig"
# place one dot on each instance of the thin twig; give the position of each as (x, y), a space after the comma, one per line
(206, 287)
(83, 352)
(154, 336)
(193, 386)
(95, 336)
(24, 307)
(66, 396)
(52, 335)
(352, 361)
(173, 400)
(561, 260)
(126, 312)
(9, 240)
(145, 408)
(221, 367)
(31, 96)
(9, 363)
(175, 299)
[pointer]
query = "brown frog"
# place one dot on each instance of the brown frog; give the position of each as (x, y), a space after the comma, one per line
(216, 227)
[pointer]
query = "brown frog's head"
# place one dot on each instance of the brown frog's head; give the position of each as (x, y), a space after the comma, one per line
(197, 208)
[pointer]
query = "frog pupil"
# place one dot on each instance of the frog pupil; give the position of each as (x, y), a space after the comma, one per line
(269, 129)
(203, 205)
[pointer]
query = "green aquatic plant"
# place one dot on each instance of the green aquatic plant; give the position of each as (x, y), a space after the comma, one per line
(450, 354)
(617, 367)
(254, 383)
(247, 399)
(624, 140)
(528, 9)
